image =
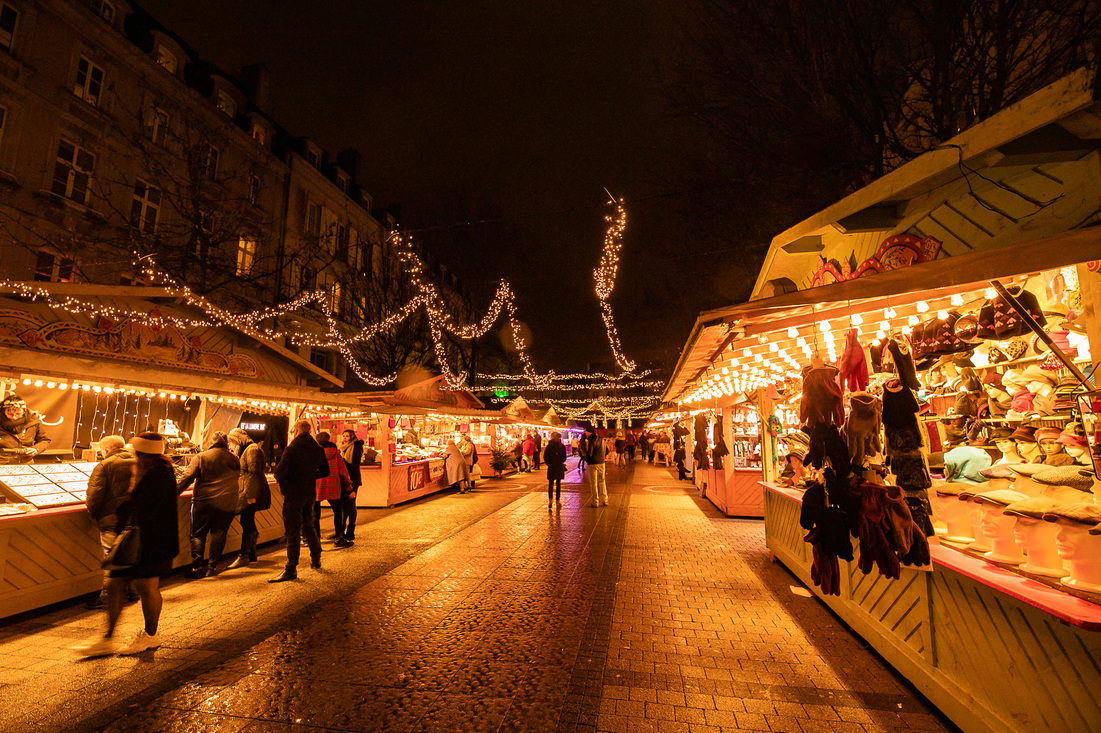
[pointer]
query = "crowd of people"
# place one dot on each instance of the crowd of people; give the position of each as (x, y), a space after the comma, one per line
(133, 496)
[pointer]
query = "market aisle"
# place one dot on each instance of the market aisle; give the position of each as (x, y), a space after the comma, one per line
(654, 613)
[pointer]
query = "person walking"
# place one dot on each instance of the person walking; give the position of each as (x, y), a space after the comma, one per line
(643, 446)
(21, 434)
(351, 450)
(529, 452)
(555, 458)
(470, 453)
(216, 474)
(150, 507)
(108, 489)
(632, 440)
(538, 453)
(580, 451)
(302, 463)
(620, 450)
(594, 457)
(332, 488)
(253, 493)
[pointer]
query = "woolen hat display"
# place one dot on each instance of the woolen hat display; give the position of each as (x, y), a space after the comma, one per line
(998, 470)
(952, 488)
(1069, 476)
(1000, 497)
(1080, 513)
(1034, 507)
(1071, 435)
(148, 443)
(1047, 434)
(1027, 435)
(1036, 373)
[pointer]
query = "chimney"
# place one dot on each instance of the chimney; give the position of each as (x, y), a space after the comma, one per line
(257, 81)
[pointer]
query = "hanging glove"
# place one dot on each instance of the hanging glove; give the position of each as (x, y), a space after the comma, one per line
(854, 367)
(922, 513)
(825, 572)
(873, 531)
(822, 398)
(904, 364)
(862, 427)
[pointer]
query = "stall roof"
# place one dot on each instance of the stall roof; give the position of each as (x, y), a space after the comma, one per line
(425, 397)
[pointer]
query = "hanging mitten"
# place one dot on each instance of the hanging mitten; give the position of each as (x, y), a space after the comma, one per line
(904, 364)
(922, 513)
(825, 572)
(862, 427)
(822, 398)
(854, 367)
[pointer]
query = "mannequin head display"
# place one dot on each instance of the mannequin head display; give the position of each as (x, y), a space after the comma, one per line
(975, 515)
(1003, 439)
(952, 513)
(1075, 444)
(964, 463)
(1077, 546)
(1036, 537)
(997, 527)
(997, 398)
(1041, 383)
(1024, 481)
(1065, 484)
(998, 476)
(1050, 447)
(1025, 438)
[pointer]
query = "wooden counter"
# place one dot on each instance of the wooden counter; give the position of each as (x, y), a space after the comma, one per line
(54, 554)
(993, 650)
(400, 482)
(735, 491)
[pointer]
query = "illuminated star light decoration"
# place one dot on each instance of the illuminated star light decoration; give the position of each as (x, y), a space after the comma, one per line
(605, 275)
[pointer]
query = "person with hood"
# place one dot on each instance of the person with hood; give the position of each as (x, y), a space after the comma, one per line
(351, 450)
(108, 489)
(150, 506)
(529, 452)
(332, 488)
(455, 467)
(21, 434)
(555, 457)
(215, 473)
(302, 463)
(253, 493)
(470, 453)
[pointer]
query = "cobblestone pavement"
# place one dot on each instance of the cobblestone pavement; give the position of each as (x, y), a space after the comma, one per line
(484, 612)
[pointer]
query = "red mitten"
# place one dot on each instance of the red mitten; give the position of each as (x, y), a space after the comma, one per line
(854, 367)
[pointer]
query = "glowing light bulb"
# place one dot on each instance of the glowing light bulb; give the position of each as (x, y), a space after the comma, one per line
(802, 342)
(957, 300)
(824, 326)
(51, 385)
(922, 307)
(879, 335)
(793, 332)
(773, 347)
(758, 358)
(889, 313)
(884, 326)
(26, 382)
(726, 370)
(943, 315)
(746, 352)
(63, 385)
(857, 319)
(912, 320)
(38, 383)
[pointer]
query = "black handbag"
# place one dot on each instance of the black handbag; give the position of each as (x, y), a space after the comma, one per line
(125, 551)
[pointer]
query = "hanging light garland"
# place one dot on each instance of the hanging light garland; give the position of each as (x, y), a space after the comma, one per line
(605, 275)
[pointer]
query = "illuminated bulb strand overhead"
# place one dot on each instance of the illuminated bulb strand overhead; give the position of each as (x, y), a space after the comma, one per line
(605, 275)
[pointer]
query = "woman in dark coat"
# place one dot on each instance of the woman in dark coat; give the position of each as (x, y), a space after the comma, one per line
(151, 507)
(554, 455)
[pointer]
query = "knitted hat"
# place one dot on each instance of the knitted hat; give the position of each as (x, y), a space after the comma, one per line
(1000, 497)
(1081, 513)
(1047, 434)
(992, 379)
(148, 443)
(12, 400)
(1001, 434)
(1070, 476)
(1036, 373)
(1015, 349)
(1072, 435)
(1033, 507)
(1014, 380)
(1027, 435)
(964, 463)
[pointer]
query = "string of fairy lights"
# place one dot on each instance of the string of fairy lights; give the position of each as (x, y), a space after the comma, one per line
(605, 277)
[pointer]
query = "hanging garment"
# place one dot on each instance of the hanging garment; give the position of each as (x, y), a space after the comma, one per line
(854, 367)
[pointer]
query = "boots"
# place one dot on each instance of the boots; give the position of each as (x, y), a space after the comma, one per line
(242, 561)
(287, 574)
(197, 570)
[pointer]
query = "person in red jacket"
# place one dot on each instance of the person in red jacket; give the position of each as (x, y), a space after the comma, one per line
(332, 487)
(529, 452)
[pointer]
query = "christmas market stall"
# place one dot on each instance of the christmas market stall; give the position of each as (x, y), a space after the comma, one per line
(924, 351)
(90, 361)
(409, 428)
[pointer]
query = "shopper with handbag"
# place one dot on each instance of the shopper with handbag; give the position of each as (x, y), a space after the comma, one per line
(143, 551)
(351, 450)
(253, 493)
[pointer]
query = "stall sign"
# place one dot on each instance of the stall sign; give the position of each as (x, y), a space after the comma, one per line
(252, 426)
(435, 470)
(416, 478)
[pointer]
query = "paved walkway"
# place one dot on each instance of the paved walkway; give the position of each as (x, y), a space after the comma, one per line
(483, 612)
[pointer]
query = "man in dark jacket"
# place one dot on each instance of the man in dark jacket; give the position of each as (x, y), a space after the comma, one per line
(108, 488)
(215, 473)
(253, 493)
(302, 463)
(21, 433)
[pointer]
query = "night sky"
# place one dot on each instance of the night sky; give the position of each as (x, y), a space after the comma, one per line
(496, 127)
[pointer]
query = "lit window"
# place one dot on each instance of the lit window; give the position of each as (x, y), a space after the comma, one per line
(9, 16)
(246, 255)
(145, 207)
(167, 60)
(72, 172)
(156, 125)
(210, 162)
(313, 219)
(106, 10)
(225, 103)
(254, 190)
(53, 268)
(259, 134)
(336, 298)
(89, 81)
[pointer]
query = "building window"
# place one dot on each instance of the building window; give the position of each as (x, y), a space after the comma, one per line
(246, 255)
(145, 207)
(72, 172)
(156, 126)
(313, 219)
(336, 298)
(307, 278)
(210, 162)
(106, 10)
(9, 17)
(89, 81)
(259, 134)
(342, 183)
(254, 190)
(355, 248)
(53, 268)
(225, 103)
(341, 243)
(313, 158)
(167, 60)
(320, 359)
